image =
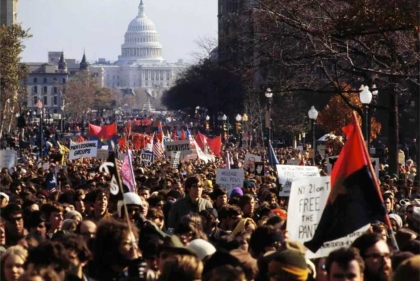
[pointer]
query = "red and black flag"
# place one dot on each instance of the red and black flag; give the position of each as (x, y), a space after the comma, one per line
(355, 199)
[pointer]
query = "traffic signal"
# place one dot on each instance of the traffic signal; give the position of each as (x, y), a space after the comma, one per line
(238, 127)
(224, 127)
(207, 126)
(266, 133)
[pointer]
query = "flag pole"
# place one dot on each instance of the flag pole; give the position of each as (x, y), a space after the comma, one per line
(375, 180)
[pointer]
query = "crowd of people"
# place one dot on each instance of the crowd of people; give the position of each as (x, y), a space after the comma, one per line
(180, 225)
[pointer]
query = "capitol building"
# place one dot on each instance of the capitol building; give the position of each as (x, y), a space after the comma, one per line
(140, 64)
(140, 67)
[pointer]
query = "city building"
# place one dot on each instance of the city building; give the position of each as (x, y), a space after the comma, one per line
(140, 66)
(8, 12)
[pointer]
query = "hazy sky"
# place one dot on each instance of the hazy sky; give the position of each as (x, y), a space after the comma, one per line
(98, 26)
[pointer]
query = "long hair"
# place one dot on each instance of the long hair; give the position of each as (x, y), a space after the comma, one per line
(12, 251)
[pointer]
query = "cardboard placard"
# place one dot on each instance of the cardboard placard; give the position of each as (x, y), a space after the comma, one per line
(308, 198)
(230, 178)
(289, 173)
(83, 149)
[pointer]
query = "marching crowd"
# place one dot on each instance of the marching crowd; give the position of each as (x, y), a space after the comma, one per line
(180, 225)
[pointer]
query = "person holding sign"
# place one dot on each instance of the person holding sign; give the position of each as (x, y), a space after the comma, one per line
(192, 203)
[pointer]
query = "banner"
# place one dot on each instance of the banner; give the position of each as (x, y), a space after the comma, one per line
(8, 158)
(288, 173)
(230, 178)
(146, 157)
(293, 162)
(83, 149)
(308, 198)
(183, 146)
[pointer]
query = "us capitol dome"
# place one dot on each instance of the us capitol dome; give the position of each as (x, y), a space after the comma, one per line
(141, 43)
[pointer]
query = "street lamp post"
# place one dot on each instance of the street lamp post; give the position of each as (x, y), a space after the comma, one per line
(207, 124)
(224, 118)
(313, 114)
(245, 125)
(366, 97)
(269, 96)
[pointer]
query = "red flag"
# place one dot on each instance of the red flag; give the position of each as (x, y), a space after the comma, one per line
(183, 137)
(122, 144)
(355, 200)
(80, 139)
(129, 123)
(174, 135)
(200, 140)
(215, 145)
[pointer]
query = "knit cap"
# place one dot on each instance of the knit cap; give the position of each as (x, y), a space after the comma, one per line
(202, 248)
(288, 264)
(237, 191)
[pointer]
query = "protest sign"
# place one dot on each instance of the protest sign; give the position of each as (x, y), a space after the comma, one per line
(102, 154)
(331, 162)
(249, 162)
(8, 158)
(307, 201)
(401, 157)
(175, 155)
(259, 169)
(146, 157)
(183, 146)
(288, 173)
(230, 178)
(294, 162)
(83, 149)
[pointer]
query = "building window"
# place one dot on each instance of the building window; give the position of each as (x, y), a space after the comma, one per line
(55, 111)
(64, 80)
(45, 91)
(54, 100)
(45, 101)
(35, 90)
(35, 100)
(45, 80)
(35, 80)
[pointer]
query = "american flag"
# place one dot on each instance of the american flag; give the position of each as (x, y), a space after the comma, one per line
(157, 148)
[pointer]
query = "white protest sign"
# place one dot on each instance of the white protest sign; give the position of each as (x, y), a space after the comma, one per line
(102, 154)
(288, 173)
(83, 149)
(8, 158)
(183, 146)
(193, 154)
(331, 162)
(146, 157)
(307, 201)
(401, 157)
(175, 155)
(230, 178)
(250, 159)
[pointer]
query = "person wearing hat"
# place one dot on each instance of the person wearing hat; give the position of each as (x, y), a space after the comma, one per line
(191, 203)
(396, 222)
(409, 270)
(4, 199)
(288, 265)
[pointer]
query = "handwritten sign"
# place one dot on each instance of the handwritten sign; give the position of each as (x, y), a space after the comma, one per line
(288, 173)
(230, 178)
(8, 158)
(83, 149)
(146, 157)
(308, 198)
(333, 159)
(102, 154)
